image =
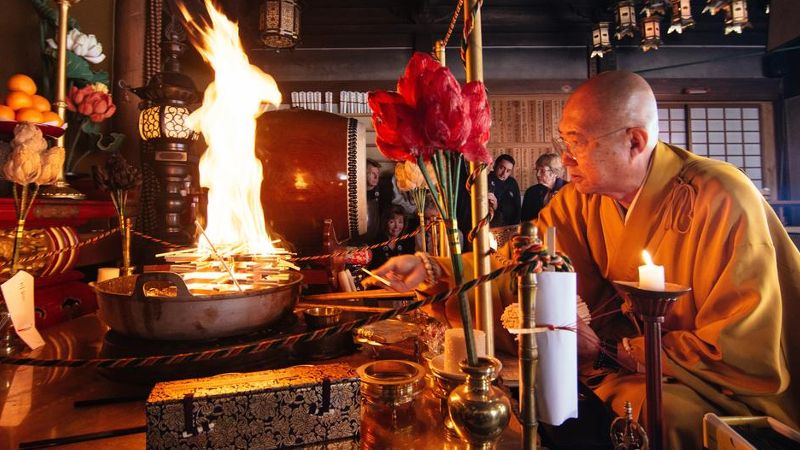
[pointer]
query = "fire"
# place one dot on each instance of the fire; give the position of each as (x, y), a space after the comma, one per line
(227, 119)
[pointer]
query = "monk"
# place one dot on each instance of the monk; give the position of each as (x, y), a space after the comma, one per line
(729, 346)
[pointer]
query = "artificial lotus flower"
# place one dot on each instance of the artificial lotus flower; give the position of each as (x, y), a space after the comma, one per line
(83, 45)
(409, 176)
(444, 120)
(412, 84)
(23, 165)
(478, 110)
(52, 162)
(91, 102)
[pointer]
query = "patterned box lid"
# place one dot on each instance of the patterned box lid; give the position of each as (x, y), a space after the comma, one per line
(238, 383)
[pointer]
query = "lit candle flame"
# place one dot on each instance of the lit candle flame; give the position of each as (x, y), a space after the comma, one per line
(647, 259)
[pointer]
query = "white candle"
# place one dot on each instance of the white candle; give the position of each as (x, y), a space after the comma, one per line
(455, 348)
(107, 273)
(651, 276)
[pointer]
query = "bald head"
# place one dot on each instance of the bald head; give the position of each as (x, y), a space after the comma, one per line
(613, 99)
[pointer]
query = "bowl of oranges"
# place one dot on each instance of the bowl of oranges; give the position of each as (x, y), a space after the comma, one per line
(22, 104)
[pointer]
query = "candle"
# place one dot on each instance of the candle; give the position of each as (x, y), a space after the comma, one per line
(455, 348)
(107, 273)
(651, 276)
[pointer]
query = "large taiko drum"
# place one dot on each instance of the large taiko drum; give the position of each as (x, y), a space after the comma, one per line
(314, 166)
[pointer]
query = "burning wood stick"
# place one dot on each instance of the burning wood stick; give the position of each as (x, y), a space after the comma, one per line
(217, 255)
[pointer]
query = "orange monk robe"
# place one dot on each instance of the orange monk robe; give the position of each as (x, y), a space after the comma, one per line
(732, 340)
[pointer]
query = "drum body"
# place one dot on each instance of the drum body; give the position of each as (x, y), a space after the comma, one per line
(314, 166)
(38, 241)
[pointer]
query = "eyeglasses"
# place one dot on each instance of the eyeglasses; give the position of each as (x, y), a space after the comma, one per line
(565, 148)
(545, 170)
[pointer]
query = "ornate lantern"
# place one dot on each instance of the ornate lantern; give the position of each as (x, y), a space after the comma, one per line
(626, 19)
(279, 23)
(681, 16)
(601, 42)
(653, 8)
(651, 33)
(167, 101)
(736, 17)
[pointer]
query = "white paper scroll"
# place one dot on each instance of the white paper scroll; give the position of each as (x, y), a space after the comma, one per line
(557, 375)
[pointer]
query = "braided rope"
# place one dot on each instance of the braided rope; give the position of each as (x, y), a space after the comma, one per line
(266, 344)
(453, 21)
(469, 25)
(156, 240)
(369, 247)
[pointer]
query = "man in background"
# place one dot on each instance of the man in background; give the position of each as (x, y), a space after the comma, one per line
(504, 199)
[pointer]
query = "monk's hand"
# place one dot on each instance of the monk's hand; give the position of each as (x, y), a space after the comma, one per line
(404, 273)
(588, 345)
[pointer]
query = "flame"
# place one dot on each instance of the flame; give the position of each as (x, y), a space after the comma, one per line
(227, 119)
(647, 259)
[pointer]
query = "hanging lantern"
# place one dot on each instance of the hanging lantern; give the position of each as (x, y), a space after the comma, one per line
(626, 19)
(166, 122)
(715, 6)
(736, 17)
(651, 33)
(653, 8)
(681, 16)
(279, 23)
(601, 42)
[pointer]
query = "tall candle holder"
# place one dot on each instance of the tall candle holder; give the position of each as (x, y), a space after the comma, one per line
(651, 307)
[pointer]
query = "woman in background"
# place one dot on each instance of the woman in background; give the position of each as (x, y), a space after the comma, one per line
(393, 224)
(548, 174)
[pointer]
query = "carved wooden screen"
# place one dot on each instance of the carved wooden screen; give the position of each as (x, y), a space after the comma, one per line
(523, 126)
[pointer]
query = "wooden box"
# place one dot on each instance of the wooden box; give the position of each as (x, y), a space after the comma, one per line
(262, 410)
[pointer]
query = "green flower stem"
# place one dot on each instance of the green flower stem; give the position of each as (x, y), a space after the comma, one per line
(68, 165)
(24, 202)
(446, 203)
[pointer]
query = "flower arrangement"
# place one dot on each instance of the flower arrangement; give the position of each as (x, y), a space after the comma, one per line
(118, 178)
(28, 161)
(431, 118)
(410, 178)
(89, 102)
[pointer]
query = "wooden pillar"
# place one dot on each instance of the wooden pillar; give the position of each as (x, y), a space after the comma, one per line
(130, 21)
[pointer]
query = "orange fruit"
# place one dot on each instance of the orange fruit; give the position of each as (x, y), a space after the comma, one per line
(22, 83)
(17, 100)
(7, 113)
(29, 115)
(50, 116)
(40, 103)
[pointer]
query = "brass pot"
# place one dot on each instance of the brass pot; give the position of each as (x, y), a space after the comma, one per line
(480, 412)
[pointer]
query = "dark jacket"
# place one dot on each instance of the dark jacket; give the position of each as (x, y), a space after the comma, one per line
(508, 201)
(536, 197)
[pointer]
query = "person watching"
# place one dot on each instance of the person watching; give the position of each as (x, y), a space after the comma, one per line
(503, 195)
(548, 174)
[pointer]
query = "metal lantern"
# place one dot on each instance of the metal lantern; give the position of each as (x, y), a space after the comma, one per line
(279, 23)
(651, 33)
(626, 19)
(681, 16)
(715, 6)
(167, 100)
(653, 8)
(601, 42)
(736, 17)
(165, 122)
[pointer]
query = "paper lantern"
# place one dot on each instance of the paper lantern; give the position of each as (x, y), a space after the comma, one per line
(626, 19)
(651, 33)
(601, 41)
(681, 16)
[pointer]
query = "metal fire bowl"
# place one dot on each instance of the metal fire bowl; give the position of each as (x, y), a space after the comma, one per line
(186, 317)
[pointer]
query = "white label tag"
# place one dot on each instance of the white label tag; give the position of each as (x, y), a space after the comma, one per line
(18, 294)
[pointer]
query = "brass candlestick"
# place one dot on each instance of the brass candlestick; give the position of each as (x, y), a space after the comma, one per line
(62, 189)
(651, 307)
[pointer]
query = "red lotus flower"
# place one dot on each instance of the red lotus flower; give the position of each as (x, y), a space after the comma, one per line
(397, 127)
(477, 106)
(414, 80)
(91, 102)
(445, 122)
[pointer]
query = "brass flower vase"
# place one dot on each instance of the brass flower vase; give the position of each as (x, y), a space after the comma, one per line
(479, 411)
